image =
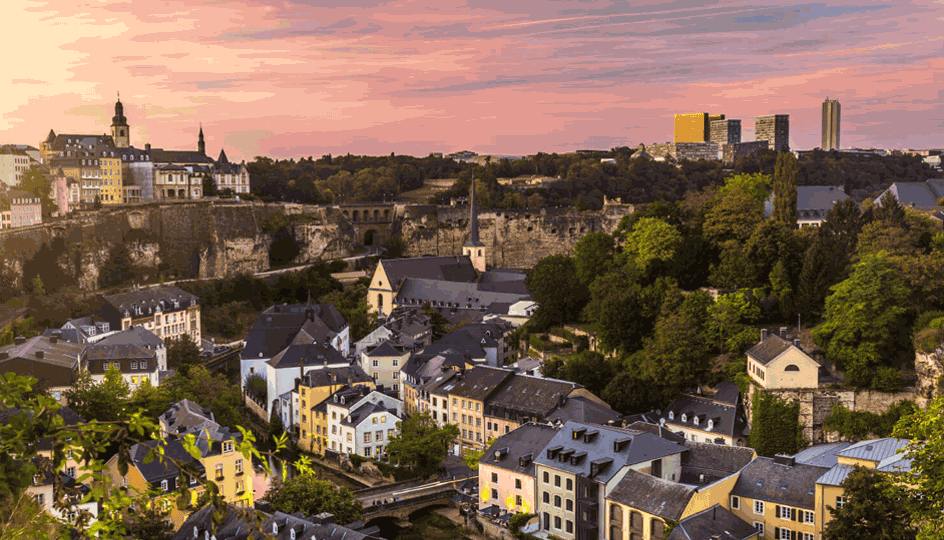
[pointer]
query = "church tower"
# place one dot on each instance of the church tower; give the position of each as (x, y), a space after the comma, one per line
(473, 248)
(120, 130)
(201, 144)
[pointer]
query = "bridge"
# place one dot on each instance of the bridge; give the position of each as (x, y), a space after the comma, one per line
(404, 498)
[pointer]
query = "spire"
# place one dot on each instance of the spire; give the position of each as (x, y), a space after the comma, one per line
(223, 160)
(51, 137)
(473, 219)
(201, 144)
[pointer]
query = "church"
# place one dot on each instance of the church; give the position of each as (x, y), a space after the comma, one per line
(460, 287)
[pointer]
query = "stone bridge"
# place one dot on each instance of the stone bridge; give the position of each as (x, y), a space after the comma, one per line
(402, 499)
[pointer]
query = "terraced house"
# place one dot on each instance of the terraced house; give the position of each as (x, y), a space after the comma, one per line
(168, 311)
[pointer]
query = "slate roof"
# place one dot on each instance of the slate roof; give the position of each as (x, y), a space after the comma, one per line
(310, 354)
(644, 424)
(157, 470)
(243, 524)
(525, 395)
(715, 523)
(874, 449)
(277, 327)
(342, 375)
(707, 462)
(149, 300)
(581, 409)
(57, 367)
(920, 195)
(99, 351)
(642, 447)
(161, 155)
(525, 442)
(814, 202)
(384, 349)
(454, 294)
(727, 392)
(136, 335)
(770, 348)
(821, 455)
(727, 419)
(186, 416)
(791, 485)
(61, 141)
(439, 268)
(652, 495)
(470, 340)
(480, 382)
(364, 410)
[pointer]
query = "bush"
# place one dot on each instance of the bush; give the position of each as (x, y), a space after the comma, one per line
(857, 425)
(775, 425)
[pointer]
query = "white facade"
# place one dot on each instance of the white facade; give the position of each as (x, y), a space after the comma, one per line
(236, 181)
(13, 166)
(369, 435)
(282, 380)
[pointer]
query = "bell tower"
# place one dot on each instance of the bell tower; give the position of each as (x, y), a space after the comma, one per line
(473, 248)
(201, 144)
(120, 130)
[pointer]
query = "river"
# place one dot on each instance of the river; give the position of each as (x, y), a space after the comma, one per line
(426, 524)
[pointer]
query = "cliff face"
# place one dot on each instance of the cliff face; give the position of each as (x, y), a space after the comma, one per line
(211, 239)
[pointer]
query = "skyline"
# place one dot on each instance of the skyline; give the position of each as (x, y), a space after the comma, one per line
(290, 79)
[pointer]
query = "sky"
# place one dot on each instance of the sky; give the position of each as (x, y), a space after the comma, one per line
(293, 78)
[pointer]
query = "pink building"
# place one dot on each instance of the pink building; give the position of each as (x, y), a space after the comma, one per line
(60, 193)
(22, 210)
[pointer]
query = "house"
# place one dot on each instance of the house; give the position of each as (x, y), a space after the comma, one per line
(719, 418)
(361, 421)
(232, 524)
(467, 395)
(135, 363)
(407, 328)
(482, 343)
(280, 326)
(584, 462)
(140, 337)
(813, 203)
(54, 363)
(778, 497)
(419, 371)
(230, 177)
(384, 363)
(715, 522)
(19, 209)
(776, 363)
(312, 391)
(168, 311)
(506, 470)
(87, 329)
(290, 364)
(925, 196)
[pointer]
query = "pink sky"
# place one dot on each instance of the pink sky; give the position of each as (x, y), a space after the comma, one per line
(290, 78)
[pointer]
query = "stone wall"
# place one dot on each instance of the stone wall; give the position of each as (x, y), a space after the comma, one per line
(929, 368)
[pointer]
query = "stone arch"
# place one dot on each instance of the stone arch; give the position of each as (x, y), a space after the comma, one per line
(370, 237)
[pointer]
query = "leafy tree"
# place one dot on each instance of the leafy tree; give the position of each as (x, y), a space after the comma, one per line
(925, 430)
(677, 354)
(734, 269)
(438, 322)
(867, 320)
(822, 266)
(148, 521)
(775, 425)
(118, 268)
(310, 495)
(209, 390)
(889, 210)
(560, 294)
(621, 311)
(421, 445)
(782, 290)
(882, 236)
(785, 189)
(593, 256)
(37, 183)
(105, 401)
(352, 303)
(874, 508)
(628, 392)
(256, 386)
(209, 186)
(587, 368)
(183, 354)
(859, 425)
(843, 223)
(650, 241)
(731, 217)
(770, 243)
(729, 319)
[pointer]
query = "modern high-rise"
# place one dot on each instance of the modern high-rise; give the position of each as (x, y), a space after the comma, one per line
(831, 114)
(775, 129)
(725, 131)
(691, 127)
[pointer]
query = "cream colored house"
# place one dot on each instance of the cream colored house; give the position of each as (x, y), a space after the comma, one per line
(776, 363)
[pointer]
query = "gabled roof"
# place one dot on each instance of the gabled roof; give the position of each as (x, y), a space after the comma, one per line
(384, 349)
(278, 326)
(814, 202)
(920, 195)
(652, 495)
(456, 294)
(100, 351)
(715, 523)
(529, 396)
(317, 378)
(874, 450)
(772, 347)
(708, 462)
(480, 382)
(156, 470)
(438, 268)
(136, 335)
(821, 455)
(767, 480)
(581, 409)
(150, 299)
(727, 419)
(515, 451)
(160, 155)
(470, 340)
(311, 354)
(44, 350)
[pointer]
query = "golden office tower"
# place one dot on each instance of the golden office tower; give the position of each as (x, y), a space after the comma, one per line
(831, 114)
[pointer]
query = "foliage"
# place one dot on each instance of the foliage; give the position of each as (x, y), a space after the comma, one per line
(873, 508)
(652, 240)
(352, 303)
(438, 322)
(589, 369)
(925, 430)
(284, 247)
(621, 311)
(37, 183)
(775, 425)
(118, 268)
(859, 425)
(560, 294)
(311, 496)
(105, 401)
(729, 320)
(420, 445)
(256, 386)
(148, 521)
(182, 354)
(867, 320)
(785, 189)
(593, 256)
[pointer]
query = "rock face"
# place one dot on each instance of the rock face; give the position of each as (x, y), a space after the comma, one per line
(207, 239)
(929, 368)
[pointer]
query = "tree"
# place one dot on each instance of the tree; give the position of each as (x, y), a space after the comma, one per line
(867, 320)
(421, 445)
(785, 189)
(677, 354)
(311, 496)
(822, 266)
(650, 241)
(560, 294)
(586, 368)
(118, 268)
(925, 431)
(105, 401)
(148, 521)
(593, 256)
(873, 508)
(182, 354)
(621, 312)
(37, 183)
(209, 186)
(775, 425)
(728, 321)
(210, 391)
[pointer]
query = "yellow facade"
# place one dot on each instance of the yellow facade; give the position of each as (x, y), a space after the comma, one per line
(232, 474)
(380, 295)
(137, 485)
(313, 424)
(691, 128)
(766, 513)
(111, 192)
(469, 416)
(792, 369)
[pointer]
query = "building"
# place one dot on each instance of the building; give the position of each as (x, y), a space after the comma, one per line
(361, 421)
(112, 186)
(692, 128)
(775, 129)
(678, 151)
(419, 371)
(383, 363)
(291, 364)
(584, 462)
(406, 328)
(230, 177)
(467, 395)
(19, 209)
(813, 204)
(54, 363)
(725, 131)
(137, 172)
(312, 392)
(714, 522)
(473, 248)
(506, 470)
(230, 524)
(64, 192)
(136, 364)
(718, 419)
(776, 363)
(925, 196)
(831, 117)
(138, 336)
(732, 152)
(778, 497)
(282, 325)
(120, 130)
(168, 311)
(14, 164)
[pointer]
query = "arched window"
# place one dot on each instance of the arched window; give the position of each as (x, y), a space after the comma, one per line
(791, 367)
(635, 524)
(616, 522)
(380, 301)
(656, 529)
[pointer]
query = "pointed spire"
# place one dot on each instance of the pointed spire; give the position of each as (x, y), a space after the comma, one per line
(473, 218)
(201, 144)
(223, 160)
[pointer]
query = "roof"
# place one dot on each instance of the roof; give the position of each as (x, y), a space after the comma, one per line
(652, 495)
(235, 523)
(353, 373)
(455, 294)
(814, 202)
(525, 395)
(727, 392)
(581, 409)
(715, 523)
(515, 451)
(364, 410)
(821, 455)
(278, 326)
(920, 195)
(836, 475)
(438, 268)
(136, 335)
(767, 480)
(707, 462)
(154, 470)
(727, 419)
(310, 354)
(186, 416)
(150, 299)
(639, 447)
(874, 449)
(384, 349)
(161, 155)
(100, 351)
(470, 340)
(770, 348)
(480, 382)
(43, 350)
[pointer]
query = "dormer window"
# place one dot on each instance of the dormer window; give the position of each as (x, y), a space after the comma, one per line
(291, 534)
(227, 446)
(684, 417)
(671, 415)
(164, 485)
(275, 528)
(196, 533)
(695, 420)
(711, 425)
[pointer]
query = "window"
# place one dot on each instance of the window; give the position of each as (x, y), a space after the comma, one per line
(570, 526)
(782, 534)
(40, 499)
(570, 484)
(547, 520)
(239, 466)
(546, 498)
(219, 471)
(759, 527)
(570, 505)
(557, 522)
(164, 485)
(376, 363)
(546, 477)
(518, 500)
(735, 502)
(785, 512)
(807, 516)
(656, 528)
(70, 472)
(759, 507)
(557, 501)
(134, 365)
(557, 480)
(791, 367)
(494, 494)
(227, 446)
(378, 435)
(494, 477)
(517, 483)
(367, 436)
(840, 502)
(806, 536)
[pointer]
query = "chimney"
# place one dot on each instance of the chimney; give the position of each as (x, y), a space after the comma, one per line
(796, 342)
(763, 334)
(783, 331)
(19, 340)
(53, 339)
(784, 459)
(40, 354)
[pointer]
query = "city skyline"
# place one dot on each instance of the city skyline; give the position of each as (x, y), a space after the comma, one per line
(290, 79)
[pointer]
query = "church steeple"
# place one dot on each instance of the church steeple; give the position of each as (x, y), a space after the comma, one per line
(473, 248)
(120, 130)
(201, 144)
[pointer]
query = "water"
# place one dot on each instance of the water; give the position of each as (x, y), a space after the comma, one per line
(426, 525)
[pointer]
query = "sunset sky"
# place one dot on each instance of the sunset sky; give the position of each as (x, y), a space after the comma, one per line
(291, 78)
